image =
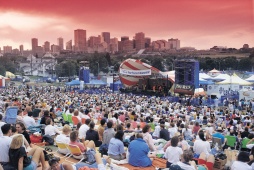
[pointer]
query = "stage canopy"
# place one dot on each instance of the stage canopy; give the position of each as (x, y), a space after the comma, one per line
(220, 77)
(250, 79)
(234, 79)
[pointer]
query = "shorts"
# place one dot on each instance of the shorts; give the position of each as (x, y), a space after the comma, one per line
(32, 166)
(209, 165)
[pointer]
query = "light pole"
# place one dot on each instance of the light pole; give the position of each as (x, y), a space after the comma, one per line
(98, 68)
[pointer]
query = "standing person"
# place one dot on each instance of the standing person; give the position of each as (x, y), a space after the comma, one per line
(22, 160)
(138, 152)
(101, 129)
(173, 152)
(22, 130)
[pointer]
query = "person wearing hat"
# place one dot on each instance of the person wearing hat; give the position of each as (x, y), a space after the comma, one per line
(219, 134)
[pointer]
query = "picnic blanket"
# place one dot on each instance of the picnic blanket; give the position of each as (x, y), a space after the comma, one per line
(157, 163)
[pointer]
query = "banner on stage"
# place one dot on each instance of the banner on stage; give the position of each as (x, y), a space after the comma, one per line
(136, 72)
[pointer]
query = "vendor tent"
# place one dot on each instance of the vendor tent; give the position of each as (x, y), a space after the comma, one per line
(250, 79)
(9, 74)
(205, 82)
(204, 76)
(234, 79)
(73, 83)
(220, 77)
(214, 73)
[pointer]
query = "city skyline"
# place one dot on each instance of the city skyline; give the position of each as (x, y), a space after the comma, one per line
(199, 24)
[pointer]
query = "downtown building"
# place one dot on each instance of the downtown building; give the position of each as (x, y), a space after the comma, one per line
(80, 40)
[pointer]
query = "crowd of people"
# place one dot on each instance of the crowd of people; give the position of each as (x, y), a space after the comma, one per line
(131, 128)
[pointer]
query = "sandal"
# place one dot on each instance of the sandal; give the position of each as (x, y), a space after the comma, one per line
(48, 149)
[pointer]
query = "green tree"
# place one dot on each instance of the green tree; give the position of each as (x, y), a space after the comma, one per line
(244, 64)
(157, 63)
(2, 70)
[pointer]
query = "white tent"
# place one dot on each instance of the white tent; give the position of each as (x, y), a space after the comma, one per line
(220, 77)
(250, 79)
(234, 79)
(214, 73)
(204, 76)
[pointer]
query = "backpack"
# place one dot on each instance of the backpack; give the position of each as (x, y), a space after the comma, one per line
(48, 139)
(103, 149)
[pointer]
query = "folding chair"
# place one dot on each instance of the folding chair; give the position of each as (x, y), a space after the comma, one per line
(218, 141)
(64, 149)
(75, 152)
(244, 143)
(65, 117)
(231, 141)
(11, 115)
(83, 120)
(75, 120)
(70, 118)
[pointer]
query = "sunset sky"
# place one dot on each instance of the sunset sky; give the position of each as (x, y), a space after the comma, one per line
(197, 23)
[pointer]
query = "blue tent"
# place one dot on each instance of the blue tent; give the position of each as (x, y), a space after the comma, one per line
(73, 83)
(96, 82)
(118, 84)
(205, 82)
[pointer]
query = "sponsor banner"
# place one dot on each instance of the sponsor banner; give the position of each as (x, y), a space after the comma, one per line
(184, 89)
(136, 72)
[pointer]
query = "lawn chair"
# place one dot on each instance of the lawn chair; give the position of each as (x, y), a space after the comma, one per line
(11, 115)
(64, 149)
(244, 143)
(231, 141)
(75, 120)
(70, 118)
(65, 117)
(83, 120)
(218, 141)
(75, 152)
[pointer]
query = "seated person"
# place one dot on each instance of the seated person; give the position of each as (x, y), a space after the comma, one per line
(173, 152)
(138, 152)
(82, 146)
(241, 162)
(45, 117)
(93, 135)
(201, 145)
(186, 162)
(116, 147)
(219, 134)
(21, 129)
(64, 137)
(49, 129)
(208, 161)
(20, 159)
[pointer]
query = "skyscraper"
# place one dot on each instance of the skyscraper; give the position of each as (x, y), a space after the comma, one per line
(46, 46)
(7, 49)
(106, 37)
(34, 44)
(60, 43)
(21, 49)
(69, 45)
(140, 40)
(80, 40)
(174, 43)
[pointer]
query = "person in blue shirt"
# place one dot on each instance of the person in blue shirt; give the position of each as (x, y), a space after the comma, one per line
(116, 147)
(138, 152)
(219, 134)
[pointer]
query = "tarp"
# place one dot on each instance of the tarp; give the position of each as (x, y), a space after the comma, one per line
(234, 79)
(250, 79)
(73, 83)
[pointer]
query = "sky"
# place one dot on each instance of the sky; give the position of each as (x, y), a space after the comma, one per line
(196, 23)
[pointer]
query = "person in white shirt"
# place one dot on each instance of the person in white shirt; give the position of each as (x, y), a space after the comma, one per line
(1, 124)
(241, 162)
(173, 152)
(49, 129)
(83, 129)
(64, 138)
(201, 145)
(172, 130)
(5, 142)
(28, 120)
(186, 163)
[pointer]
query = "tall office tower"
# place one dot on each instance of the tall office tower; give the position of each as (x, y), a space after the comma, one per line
(55, 48)
(69, 45)
(113, 45)
(15, 51)
(60, 43)
(7, 49)
(80, 40)
(140, 41)
(147, 42)
(34, 44)
(92, 41)
(47, 46)
(21, 50)
(106, 37)
(174, 43)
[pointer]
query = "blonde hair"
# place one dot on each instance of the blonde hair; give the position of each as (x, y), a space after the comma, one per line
(17, 141)
(66, 129)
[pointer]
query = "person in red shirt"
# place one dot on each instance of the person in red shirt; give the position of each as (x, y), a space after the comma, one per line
(82, 146)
